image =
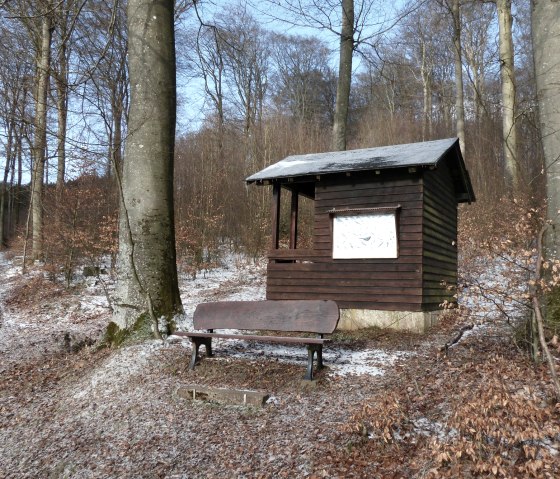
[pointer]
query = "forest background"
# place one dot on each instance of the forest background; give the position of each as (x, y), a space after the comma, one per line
(427, 70)
(265, 95)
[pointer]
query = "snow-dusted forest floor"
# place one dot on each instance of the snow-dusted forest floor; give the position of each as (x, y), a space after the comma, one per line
(70, 410)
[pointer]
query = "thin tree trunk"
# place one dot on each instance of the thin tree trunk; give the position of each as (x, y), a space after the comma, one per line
(18, 200)
(62, 107)
(3, 189)
(505, 22)
(116, 136)
(147, 288)
(344, 76)
(11, 195)
(459, 95)
(40, 140)
(425, 70)
(546, 47)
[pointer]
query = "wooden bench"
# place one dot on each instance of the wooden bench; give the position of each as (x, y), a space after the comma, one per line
(309, 316)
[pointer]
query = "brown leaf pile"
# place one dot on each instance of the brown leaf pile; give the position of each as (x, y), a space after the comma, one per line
(484, 411)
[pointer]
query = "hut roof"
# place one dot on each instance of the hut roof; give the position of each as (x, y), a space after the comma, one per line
(422, 154)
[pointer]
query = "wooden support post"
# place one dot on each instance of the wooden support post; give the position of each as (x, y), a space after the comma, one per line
(294, 219)
(275, 215)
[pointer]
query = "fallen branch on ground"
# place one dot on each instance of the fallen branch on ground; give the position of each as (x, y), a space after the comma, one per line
(457, 338)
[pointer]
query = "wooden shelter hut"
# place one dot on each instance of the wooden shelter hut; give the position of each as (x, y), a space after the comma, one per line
(384, 231)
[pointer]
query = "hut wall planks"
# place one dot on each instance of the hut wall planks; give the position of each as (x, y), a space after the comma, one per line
(387, 284)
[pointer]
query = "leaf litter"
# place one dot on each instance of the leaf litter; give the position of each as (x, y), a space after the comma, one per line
(69, 410)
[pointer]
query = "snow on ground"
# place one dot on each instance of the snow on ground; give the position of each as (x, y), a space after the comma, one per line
(67, 320)
(39, 316)
(117, 413)
(119, 367)
(340, 361)
(493, 288)
(236, 279)
(60, 320)
(240, 280)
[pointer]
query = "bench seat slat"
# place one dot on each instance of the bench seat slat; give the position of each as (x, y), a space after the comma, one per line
(256, 337)
(313, 316)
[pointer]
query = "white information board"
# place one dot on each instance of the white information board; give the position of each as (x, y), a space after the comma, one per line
(365, 236)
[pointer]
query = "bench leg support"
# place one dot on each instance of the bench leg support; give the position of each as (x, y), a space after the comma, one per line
(311, 350)
(320, 357)
(196, 342)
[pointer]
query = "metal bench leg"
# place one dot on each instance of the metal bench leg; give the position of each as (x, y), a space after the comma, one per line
(320, 357)
(208, 345)
(310, 355)
(311, 350)
(196, 342)
(194, 357)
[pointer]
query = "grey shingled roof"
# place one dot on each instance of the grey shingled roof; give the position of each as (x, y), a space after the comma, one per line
(426, 153)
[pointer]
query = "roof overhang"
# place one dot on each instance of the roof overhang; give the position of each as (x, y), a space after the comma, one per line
(411, 157)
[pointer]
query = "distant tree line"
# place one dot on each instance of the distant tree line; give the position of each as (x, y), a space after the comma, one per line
(442, 69)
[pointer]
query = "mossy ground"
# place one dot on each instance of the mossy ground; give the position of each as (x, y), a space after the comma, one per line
(141, 330)
(116, 336)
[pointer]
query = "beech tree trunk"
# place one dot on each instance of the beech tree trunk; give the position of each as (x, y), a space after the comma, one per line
(459, 97)
(344, 76)
(147, 296)
(62, 111)
(40, 135)
(546, 45)
(426, 72)
(505, 22)
(3, 188)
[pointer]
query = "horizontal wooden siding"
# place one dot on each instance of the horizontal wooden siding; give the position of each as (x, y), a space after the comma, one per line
(439, 233)
(384, 284)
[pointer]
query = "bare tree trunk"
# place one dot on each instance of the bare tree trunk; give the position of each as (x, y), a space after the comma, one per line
(459, 97)
(62, 110)
(425, 70)
(18, 195)
(11, 194)
(546, 46)
(115, 143)
(147, 289)
(344, 76)
(478, 87)
(509, 129)
(9, 143)
(40, 140)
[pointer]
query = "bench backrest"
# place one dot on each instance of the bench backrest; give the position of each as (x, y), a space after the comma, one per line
(311, 316)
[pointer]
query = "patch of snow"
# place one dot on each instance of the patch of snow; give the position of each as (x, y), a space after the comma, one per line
(491, 286)
(120, 366)
(236, 279)
(94, 304)
(424, 427)
(371, 362)
(341, 362)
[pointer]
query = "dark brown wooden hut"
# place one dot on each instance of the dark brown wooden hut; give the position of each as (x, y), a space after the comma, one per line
(385, 226)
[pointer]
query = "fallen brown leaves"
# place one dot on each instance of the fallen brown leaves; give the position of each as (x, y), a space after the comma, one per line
(36, 289)
(482, 411)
